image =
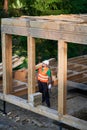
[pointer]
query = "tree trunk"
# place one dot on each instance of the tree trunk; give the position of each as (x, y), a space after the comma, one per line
(6, 6)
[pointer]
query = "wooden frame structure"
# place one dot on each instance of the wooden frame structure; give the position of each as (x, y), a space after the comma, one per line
(64, 29)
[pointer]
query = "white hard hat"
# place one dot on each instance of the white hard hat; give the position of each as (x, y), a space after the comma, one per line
(46, 62)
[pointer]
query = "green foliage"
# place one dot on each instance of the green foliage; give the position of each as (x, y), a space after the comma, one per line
(78, 7)
(20, 45)
(60, 6)
(47, 7)
(76, 49)
(45, 49)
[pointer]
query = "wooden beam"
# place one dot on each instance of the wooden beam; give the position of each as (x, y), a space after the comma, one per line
(16, 30)
(15, 62)
(7, 63)
(48, 27)
(82, 18)
(42, 110)
(31, 65)
(47, 23)
(75, 76)
(81, 79)
(62, 76)
(59, 34)
(77, 85)
(74, 122)
(76, 59)
(70, 35)
(18, 22)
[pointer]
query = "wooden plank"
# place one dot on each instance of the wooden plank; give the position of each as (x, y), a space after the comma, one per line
(19, 62)
(20, 22)
(69, 18)
(44, 25)
(42, 110)
(74, 36)
(16, 30)
(20, 88)
(77, 67)
(7, 63)
(15, 62)
(21, 92)
(75, 76)
(31, 65)
(74, 59)
(44, 22)
(80, 68)
(59, 25)
(77, 85)
(82, 61)
(56, 34)
(74, 122)
(81, 79)
(73, 84)
(62, 76)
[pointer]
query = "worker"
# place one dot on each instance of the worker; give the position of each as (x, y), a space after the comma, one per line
(44, 80)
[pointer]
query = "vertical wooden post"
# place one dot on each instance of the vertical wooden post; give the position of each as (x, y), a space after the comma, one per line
(7, 63)
(62, 76)
(31, 65)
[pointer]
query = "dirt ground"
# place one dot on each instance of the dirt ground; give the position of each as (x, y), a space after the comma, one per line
(21, 119)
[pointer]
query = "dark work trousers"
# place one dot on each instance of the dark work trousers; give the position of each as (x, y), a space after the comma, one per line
(43, 88)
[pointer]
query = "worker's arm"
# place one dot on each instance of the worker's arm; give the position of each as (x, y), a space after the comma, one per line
(49, 77)
(50, 80)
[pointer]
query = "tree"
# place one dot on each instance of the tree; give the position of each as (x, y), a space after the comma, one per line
(5, 6)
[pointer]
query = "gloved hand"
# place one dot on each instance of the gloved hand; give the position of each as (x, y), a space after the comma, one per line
(49, 86)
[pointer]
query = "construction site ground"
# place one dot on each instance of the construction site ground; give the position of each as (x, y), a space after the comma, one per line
(21, 119)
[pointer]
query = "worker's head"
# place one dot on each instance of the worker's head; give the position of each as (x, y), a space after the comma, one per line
(45, 63)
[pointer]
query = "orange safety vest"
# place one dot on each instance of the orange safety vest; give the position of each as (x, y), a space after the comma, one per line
(42, 76)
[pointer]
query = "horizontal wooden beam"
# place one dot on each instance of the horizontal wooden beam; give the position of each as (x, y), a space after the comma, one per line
(20, 92)
(77, 85)
(73, 84)
(59, 25)
(75, 76)
(74, 122)
(50, 113)
(21, 31)
(21, 22)
(81, 79)
(59, 34)
(15, 62)
(50, 30)
(82, 18)
(47, 23)
(46, 34)
(74, 59)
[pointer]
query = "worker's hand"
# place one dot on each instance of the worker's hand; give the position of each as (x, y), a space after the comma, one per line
(49, 86)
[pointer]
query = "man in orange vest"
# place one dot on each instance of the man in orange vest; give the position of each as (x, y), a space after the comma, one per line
(44, 79)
